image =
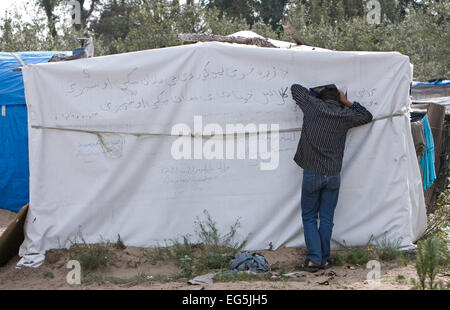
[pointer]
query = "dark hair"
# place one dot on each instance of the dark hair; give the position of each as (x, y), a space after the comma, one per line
(329, 93)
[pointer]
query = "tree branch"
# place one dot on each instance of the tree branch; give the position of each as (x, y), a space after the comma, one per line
(201, 37)
(291, 31)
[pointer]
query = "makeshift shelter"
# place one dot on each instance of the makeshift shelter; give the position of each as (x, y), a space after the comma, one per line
(424, 91)
(14, 174)
(433, 99)
(102, 143)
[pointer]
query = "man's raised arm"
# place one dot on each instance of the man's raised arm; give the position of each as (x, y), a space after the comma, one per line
(301, 96)
(359, 115)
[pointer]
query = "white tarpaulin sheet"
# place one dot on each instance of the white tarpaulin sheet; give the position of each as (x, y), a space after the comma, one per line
(100, 146)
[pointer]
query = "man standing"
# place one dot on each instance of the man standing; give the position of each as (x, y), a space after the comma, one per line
(320, 151)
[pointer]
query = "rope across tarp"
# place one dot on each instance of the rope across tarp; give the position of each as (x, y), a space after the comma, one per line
(192, 135)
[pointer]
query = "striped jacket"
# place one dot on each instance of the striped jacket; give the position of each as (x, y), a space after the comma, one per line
(325, 126)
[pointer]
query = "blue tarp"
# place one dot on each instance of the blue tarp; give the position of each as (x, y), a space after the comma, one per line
(438, 82)
(14, 172)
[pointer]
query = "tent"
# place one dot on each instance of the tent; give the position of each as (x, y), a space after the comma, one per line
(105, 136)
(433, 99)
(14, 173)
(423, 91)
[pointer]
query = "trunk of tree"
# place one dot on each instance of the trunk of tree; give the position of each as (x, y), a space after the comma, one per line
(291, 31)
(195, 37)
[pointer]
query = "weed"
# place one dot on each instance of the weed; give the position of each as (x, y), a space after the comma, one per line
(355, 256)
(91, 257)
(183, 249)
(358, 257)
(119, 243)
(432, 255)
(282, 271)
(388, 249)
(159, 253)
(89, 277)
(217, 250)
(209, 250)
(439, 220)
(48, 274)
(400, 278)
(187, 266)
(338, 259)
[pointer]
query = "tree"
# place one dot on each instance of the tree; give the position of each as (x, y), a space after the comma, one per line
(114, 22)
(271, 12)
(86, 13)
(234, 9)
(49, 7)
(153, 23)
(354, 8)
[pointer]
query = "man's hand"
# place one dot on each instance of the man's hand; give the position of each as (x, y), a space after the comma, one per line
(344, 99)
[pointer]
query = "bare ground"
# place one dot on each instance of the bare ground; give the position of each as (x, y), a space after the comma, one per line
(125, 265)
(131, 268)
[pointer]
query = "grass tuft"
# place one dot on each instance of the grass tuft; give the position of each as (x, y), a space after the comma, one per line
(119, 243)
(432, 257)
(48, 274)
(91, 257)
(388, 249)
(207, 250)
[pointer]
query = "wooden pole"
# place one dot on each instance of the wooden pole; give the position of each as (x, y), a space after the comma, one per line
(201, 37)
(291, 31)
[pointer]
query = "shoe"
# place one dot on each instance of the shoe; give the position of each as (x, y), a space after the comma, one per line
(305, 267)
(328, 264)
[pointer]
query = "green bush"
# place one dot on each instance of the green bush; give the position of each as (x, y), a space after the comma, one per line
(152, 24)
(119, 243)
(358, 257)
(208, 249)
(388, 249)
(48, 274)
(432, 256)
(91, 257)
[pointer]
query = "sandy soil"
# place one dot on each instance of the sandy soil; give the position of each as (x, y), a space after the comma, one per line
(130, 262)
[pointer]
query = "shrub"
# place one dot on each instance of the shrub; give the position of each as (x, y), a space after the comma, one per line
(358, 257)
(432, 256)
(210, 250)
(119, 243)
(48, 274)
(91, 257)
(388, 249)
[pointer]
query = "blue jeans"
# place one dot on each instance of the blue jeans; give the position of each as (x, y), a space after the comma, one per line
(319, 198)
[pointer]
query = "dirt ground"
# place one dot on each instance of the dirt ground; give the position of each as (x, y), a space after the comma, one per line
(128, 263)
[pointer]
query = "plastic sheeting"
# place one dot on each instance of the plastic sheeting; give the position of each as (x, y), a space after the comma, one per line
(14, 174)
(11, 83)
(100, 147)
(427, 161)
